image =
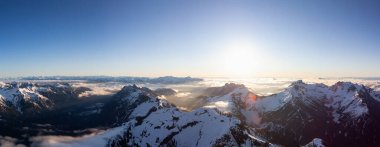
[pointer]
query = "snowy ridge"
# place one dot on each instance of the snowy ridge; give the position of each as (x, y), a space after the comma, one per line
(16, 94)
(234, 116)
(155, 122)
(343, 98)
(346, 99)
(316, 142)
(305, 111)
(239, 103)
(32, 97)
(230, 111)
(151, 123)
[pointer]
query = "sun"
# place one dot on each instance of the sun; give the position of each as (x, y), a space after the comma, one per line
(240, 60)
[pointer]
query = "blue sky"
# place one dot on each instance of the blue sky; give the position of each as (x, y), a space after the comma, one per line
(190, 38)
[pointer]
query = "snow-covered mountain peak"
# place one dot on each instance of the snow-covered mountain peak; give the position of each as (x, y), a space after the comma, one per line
(231, 98)
(145, 120)
(316, 142)
(17, 94)
(297, 91)
(347, 87)
(132, 93)
(32, 97)
(298, 82)
(343, 99)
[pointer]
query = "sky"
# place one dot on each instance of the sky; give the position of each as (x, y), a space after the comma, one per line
(199, 38)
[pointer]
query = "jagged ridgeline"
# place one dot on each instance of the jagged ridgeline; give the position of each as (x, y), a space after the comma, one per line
(344, 114)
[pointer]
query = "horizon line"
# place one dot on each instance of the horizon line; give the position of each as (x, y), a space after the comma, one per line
(119, 76)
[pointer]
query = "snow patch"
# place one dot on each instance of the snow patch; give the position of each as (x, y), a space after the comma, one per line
(316, 142)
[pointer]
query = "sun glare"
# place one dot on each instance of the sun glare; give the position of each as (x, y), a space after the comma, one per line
(240, 60)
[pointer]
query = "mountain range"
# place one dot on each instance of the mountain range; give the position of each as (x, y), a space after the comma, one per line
(344, 114)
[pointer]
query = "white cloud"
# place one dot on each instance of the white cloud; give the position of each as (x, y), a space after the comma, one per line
(99, 88)
(9, 142)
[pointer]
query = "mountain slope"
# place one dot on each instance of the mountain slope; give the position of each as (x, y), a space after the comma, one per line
(23, 96)
(149, 121)
(30, 98)
(344, 114)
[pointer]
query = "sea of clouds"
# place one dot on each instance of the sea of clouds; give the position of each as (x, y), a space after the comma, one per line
(260, 86)
(188, 92)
